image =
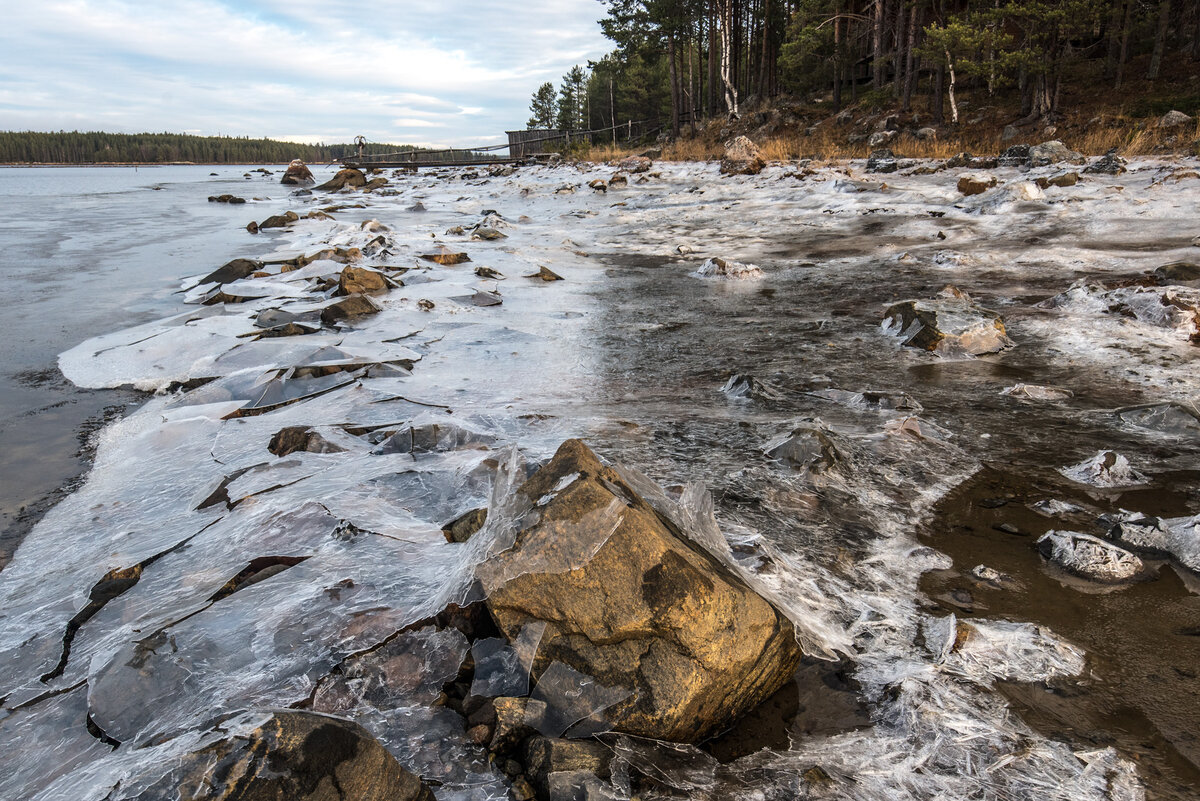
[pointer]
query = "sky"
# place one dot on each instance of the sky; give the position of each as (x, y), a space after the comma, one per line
(423, 72)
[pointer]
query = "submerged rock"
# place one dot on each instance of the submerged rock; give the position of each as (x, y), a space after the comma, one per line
(297, 173)
(1105, 469)
(1090, 557)
(947, 325)
(1167, 418)
(292, 756)
(1037, 392)
(638, 618)
(344, 177)
(740, 385)
(806, 447)
(721, 268)
(742, 158)
(1160, 537)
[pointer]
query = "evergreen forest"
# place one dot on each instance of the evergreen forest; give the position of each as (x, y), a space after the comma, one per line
(677, 62)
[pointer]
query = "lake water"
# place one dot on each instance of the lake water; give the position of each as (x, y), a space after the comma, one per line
(84, 251)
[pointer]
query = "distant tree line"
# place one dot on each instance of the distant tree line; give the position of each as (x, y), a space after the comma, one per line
(75, 147)
(679, 61)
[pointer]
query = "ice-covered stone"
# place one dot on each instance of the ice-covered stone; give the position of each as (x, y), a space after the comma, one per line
(723, 268)
(1089, 556)
(1106, 469)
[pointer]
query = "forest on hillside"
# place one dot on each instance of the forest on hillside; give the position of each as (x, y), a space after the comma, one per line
(676, 62)
(94, 147)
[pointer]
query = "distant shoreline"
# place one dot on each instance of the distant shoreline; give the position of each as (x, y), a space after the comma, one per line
(154, 164)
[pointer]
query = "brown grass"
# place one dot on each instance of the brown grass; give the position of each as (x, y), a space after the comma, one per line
(1131, 137)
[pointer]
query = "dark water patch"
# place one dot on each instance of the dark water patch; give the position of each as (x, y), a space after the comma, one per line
(1140, 692)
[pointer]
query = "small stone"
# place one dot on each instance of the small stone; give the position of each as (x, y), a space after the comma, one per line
(975, 183)
(479, 735)
(446, 256)
(425, 305)
(521, 790)
(545, 274)
(488, 272)
(462, 528)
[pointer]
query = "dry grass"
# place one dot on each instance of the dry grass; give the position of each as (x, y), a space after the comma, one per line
(1131, 137)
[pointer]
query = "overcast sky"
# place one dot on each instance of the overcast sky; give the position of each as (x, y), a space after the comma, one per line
(400, 71)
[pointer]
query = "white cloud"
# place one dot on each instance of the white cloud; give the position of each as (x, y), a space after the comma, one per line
(271, 67)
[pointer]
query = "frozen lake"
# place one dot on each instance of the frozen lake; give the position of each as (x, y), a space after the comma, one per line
(856, 481)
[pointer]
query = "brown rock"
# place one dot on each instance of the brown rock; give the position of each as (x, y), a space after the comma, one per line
(344, 177)
(349, 308)
(947, 324)
(293, 756)
(635, 164)
(618, 180)
(252, 227)
(635, 605)
(361, 281)
(742, 158)
(297, 173)
(545, 274)
(232, 271)
(445, 255)
(462, 528)
(279, 220)
(598, 185)
(975, 183)
(510, 728)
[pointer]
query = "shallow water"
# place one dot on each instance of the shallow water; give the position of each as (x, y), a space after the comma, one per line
(631, 353)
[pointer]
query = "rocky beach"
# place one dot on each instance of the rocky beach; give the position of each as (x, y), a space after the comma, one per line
(869, 479)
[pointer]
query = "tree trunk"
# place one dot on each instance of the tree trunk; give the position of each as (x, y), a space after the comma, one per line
(837, 57)
(1160, 39)
(877, 48)
(1113, 37)
(898, 42)
(731, 102)
(763, 77)
(674, 85)
(909, 64)
(1124, 43)
(1026, 94)
(950, 89)
(712, 57)
(939, 84)
(692, 94)
(612, 110)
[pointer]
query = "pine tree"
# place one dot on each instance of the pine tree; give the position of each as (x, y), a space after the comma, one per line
(572, 101)
(544, 107)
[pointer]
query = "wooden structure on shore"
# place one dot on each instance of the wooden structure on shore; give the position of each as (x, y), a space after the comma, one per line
(537, 144)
